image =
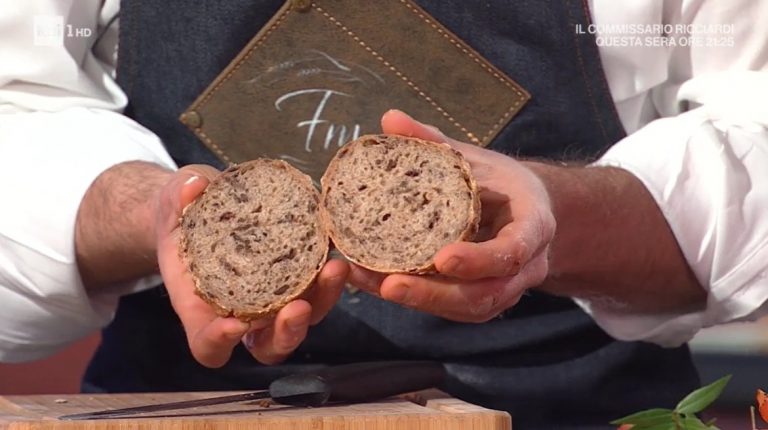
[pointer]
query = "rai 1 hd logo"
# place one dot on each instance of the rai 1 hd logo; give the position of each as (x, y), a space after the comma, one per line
(50, 30)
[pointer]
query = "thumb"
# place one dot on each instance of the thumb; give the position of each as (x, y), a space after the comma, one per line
(183, 188)
(398, 122)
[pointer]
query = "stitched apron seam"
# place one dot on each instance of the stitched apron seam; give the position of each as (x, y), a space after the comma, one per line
(213, 146)
(585, 78)
(245, 58)
(501, 78)
(603, 81)
(397, 72)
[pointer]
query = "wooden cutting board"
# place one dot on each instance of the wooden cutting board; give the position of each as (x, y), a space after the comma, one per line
(427, 410)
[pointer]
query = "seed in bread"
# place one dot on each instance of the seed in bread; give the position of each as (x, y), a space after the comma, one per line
(253, 240)
(390, 203)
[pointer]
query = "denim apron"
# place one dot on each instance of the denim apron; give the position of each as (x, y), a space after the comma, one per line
(544, 360)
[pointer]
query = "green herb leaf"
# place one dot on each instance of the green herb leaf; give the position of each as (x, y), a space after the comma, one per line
(701, 398)
(693, 423)
(646, 418)
(662, 426)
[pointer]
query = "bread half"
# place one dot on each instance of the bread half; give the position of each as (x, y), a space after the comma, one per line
(390, 203)
(253, 240)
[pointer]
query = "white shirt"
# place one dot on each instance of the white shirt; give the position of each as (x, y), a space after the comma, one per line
(60, 127)
(706, 162)
(707, 158)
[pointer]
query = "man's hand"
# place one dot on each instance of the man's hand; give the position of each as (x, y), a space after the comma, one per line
(131, 214)
(613, 245)
(477, 281)
(211, 337)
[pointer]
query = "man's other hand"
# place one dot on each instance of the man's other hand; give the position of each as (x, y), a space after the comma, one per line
(211, 337)
(477, 280)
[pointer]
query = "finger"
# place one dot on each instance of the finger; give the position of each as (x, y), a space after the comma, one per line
(436, 295)
(212, 343)
(365, 279)
(275, 343)
(191, 188)
(327, 290)
(464, 301)
(398, 122)
(185, 186)
(502, 255)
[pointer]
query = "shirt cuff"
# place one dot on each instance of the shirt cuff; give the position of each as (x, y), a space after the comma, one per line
(707, 175)
(47, 162)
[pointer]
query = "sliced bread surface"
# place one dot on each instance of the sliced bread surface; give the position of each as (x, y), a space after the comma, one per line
(390, 203)
(253, 240)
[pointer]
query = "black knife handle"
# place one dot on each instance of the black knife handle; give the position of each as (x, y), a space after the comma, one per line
(357, 382)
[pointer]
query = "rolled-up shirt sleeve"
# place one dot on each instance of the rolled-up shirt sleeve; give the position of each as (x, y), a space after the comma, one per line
(707, 169)
(697, 118)
(60, 128)
(47, 162)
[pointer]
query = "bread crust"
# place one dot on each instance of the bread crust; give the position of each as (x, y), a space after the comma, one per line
(278, 302)
(473, 216)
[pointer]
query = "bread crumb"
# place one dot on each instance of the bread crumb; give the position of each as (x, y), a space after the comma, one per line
(416, 398)
(60, 401)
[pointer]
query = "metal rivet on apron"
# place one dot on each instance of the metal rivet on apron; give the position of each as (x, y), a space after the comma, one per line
(301, 5)
(192, 119)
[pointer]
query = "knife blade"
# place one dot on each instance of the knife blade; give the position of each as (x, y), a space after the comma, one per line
(348, 383)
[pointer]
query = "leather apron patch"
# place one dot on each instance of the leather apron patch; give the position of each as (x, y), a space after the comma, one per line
(321, 73)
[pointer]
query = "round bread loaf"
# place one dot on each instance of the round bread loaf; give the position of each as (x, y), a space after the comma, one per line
(253, 240)
(390, 203)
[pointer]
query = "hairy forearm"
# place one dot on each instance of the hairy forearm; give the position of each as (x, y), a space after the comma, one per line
(613, 245)
(114, 233)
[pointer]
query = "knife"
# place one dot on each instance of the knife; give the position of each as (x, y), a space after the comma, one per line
(350, 383)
